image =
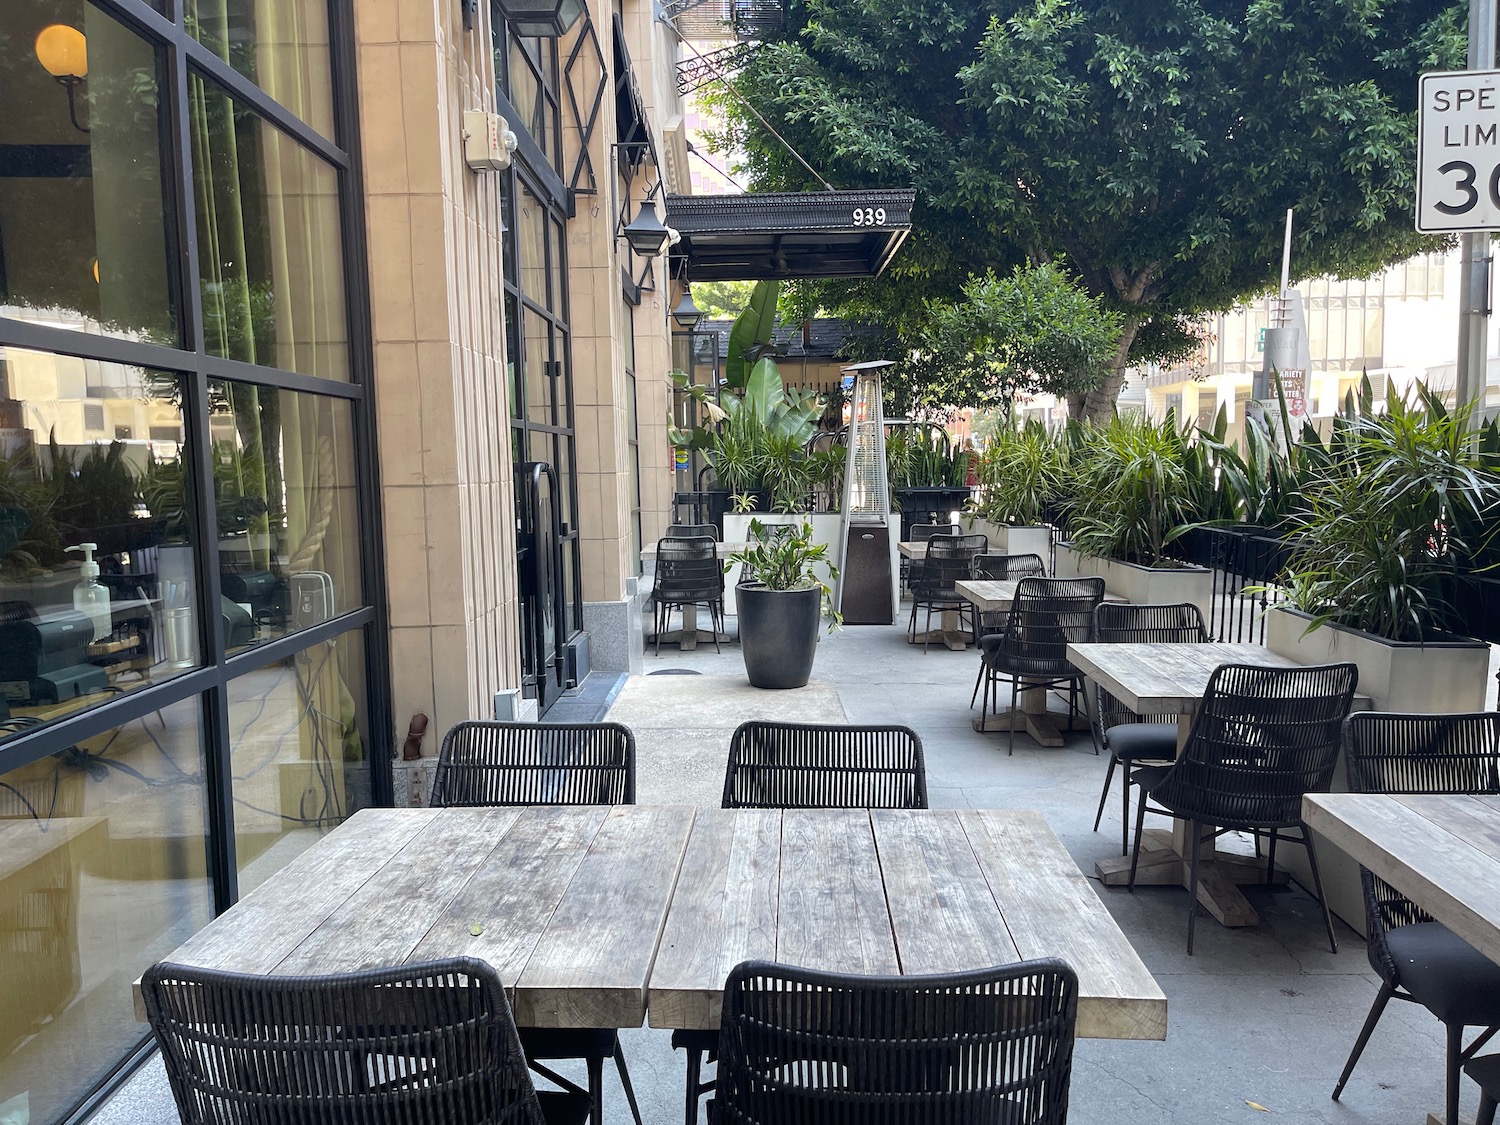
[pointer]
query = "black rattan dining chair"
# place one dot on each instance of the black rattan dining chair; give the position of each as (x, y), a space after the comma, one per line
(490, 764)
(950, 558)
(1486, 1072)
(1419, 959)
(1128, 738)
(688, 572)
(803, 1046)
(691, 531)
(421, 1044)
(1046, 615)
(809, 766)
(1000, 568)
(1262, 738)
(911, 569)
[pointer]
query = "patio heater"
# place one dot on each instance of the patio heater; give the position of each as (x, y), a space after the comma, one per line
(866, 593)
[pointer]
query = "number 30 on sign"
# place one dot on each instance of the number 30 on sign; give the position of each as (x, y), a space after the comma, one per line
(1458, 152)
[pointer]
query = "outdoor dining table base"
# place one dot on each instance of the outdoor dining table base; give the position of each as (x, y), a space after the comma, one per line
(1045, 727)
(689, 636)
(947, 633)
(1164, 864)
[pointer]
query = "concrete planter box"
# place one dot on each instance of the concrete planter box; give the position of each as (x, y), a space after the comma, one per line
(1444, 675)
(1006, 540)
(1140, 585)
(825, 526)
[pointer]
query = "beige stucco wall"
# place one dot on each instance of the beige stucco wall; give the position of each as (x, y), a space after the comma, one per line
(435, 266)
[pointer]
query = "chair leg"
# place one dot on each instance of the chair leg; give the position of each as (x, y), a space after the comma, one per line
(977, 680)
(625, 1083)
(1082, 689)
(1312, 862)
(1454, 1063)
(657, 621)
(1376, 1009)
(1197, 832)
(694, 1091)
(714, 622)
(1271, 856)
(1015, 688)
(1109, 775)
(1140, 824)
(596, 1089)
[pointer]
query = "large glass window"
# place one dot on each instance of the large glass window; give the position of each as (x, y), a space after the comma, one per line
(280, 45)
(96, 564)
(287, 508)
(83, 236)
(102, 873)
(269, 246)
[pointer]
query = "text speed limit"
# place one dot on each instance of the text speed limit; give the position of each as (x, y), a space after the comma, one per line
(1458, 152)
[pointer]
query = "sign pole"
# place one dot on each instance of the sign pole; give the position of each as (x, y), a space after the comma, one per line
(1471, 375)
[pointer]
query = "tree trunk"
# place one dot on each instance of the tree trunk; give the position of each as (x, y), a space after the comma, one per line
(1099, 404)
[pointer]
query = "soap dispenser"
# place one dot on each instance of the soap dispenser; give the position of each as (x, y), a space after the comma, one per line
(89, 597)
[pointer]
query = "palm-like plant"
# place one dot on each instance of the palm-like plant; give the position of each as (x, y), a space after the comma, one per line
(1020, 473)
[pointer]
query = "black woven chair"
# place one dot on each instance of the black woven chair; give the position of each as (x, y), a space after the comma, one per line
(808, 766)
(688, 572)
(1417, 958)
(1261, 739)
(422, 1044)
(1130, 738)
(812, 766)
(911, 569)
(1486, 1071)
(949, 559)
(802, 1046)
(485, 764)
(1046, 615)
(691, 531)
(1000, 568)
(490, 764)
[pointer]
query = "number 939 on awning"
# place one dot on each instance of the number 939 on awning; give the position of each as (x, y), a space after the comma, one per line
(1458, 152)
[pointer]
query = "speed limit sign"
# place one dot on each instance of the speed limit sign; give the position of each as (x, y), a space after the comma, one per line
(1458, 152)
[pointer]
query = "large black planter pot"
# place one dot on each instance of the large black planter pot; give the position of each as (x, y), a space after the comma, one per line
(779, 634)
(929, 505)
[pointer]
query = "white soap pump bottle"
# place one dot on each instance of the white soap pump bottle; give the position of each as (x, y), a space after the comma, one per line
(89, 597)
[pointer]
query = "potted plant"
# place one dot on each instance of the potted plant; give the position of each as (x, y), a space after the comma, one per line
(1128, 500)
(780, 608)
(1020, 473)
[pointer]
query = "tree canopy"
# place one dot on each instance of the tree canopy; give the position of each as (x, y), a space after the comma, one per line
(1154, 146)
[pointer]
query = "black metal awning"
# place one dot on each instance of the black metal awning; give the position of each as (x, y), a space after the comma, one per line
(786, 235)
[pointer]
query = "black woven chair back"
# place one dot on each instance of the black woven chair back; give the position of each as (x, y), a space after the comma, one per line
(691, 531)
(949, 559)
(994, 1045)
(1441, 753)
(1262, 738)
(1005, 568)
(424, 1043)
(1046, 615)
(1396, 753)
(1119, 623)
(808, 766)
(921, 531)
(484, 763)
(688, 570)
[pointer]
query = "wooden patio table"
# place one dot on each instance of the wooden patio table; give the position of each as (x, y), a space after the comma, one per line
(569, 905)
(1171, 679)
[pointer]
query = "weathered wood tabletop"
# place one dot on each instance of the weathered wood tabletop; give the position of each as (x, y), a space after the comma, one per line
(721, 550)
(1442, 852)
(594, 916)
(888, 891)
(991, 595)
(1171, 679)
(568, 901)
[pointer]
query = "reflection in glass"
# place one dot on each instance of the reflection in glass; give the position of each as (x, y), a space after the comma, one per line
(91, 456)
(280, 45)
(287, 510)
(531, 219)
(269, 250)
(538, 371)
(83, 239)
(298, 753)
(102, 873)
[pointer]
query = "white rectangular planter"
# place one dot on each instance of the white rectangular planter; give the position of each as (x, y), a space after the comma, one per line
(1395, 676)
(1140, 585)
(1007, 540)
(825, 528)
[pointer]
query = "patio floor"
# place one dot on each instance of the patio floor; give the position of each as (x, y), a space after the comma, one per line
(1258, 1017)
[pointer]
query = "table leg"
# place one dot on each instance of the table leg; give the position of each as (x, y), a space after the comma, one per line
(1033, 717)
(689, 636)
(947, 633)
(1164, 862)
